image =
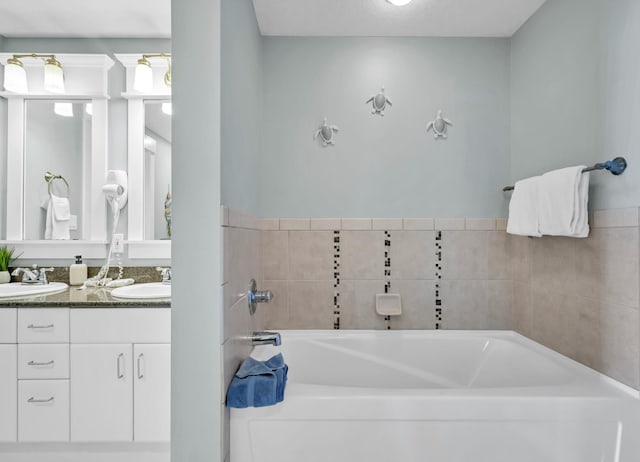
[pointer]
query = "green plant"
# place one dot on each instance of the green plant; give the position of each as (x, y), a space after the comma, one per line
(6, 257)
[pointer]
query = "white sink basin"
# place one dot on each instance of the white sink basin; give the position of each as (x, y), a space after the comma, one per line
(17, 289)
(138, 291)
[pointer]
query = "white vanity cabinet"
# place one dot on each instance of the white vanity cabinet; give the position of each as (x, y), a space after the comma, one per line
(120, 375)
(8, 376)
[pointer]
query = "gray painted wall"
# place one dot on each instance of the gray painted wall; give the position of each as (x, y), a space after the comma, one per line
(242, 100)
(385, 166)
(575, 92)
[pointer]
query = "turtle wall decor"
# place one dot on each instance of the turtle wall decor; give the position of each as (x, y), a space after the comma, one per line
(379, 103)
(326, 133)
(439, 126)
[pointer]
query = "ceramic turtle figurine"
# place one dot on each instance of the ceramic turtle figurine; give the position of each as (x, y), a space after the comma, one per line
(326, 133)
(379, 103)
(439, 126)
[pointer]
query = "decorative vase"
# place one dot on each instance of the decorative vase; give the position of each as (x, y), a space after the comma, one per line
(5, 277)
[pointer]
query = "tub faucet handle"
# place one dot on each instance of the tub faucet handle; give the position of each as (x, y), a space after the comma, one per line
(255, 296)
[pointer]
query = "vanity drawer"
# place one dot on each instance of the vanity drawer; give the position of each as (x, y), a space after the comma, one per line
(42, 361)
(43, 325)
(8, 320)
(43, 410)
(121, 325)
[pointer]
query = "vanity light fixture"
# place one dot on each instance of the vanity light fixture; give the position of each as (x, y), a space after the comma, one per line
(143, 77)
(15, 77)
(399, 2)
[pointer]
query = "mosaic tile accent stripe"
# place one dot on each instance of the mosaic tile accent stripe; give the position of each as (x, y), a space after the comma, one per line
(438, 292)
(387, 270)
(336, 279)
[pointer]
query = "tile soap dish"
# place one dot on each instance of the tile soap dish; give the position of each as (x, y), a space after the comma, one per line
(388, 304)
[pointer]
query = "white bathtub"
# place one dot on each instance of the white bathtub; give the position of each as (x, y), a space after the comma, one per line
(434, 396)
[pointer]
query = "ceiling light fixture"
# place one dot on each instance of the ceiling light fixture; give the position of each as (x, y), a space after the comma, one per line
(143, 77)
(399, 2)
(15, 76)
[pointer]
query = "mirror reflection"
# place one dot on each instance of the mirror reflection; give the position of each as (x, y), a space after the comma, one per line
(57, 143)
(157, 168)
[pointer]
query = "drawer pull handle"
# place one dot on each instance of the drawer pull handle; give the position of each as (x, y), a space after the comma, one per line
(33, 363)
(35, 326)
(140, 372)
(33, 400)
(119, 365)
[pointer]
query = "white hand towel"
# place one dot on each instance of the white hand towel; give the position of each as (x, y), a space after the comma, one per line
(523, 208)
(563, 201)
(58, 218)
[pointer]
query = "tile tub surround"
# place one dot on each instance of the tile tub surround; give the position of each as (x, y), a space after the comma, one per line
(325, 273)
(577, 296)
(581, 297)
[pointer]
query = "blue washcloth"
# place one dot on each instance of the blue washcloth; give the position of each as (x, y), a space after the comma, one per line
(258, 383)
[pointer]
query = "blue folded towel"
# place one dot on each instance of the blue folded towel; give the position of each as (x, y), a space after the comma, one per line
(258, 383)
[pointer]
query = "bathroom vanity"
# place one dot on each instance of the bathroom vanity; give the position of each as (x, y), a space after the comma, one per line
(83, 367)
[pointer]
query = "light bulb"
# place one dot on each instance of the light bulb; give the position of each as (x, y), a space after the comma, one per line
(63, 109)
(53, 76)
(143, 77)
(167, 108)
(399, 2)
(15, 77)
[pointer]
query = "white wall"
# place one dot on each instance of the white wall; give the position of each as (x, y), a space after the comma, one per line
(575, 92)
(385, 166)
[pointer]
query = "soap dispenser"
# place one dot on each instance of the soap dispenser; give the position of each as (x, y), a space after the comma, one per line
(77, 272)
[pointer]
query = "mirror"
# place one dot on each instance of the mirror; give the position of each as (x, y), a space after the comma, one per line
(57, 139)
(157, 169)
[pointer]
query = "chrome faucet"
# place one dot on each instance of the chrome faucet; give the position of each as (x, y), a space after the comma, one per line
(33, 275)
(166, 274)
(266, 338)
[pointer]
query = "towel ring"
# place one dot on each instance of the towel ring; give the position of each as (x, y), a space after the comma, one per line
(50, 178)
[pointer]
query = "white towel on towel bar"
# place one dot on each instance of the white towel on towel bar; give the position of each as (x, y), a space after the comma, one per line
(563, 202)
(523, 208)
(58, 218)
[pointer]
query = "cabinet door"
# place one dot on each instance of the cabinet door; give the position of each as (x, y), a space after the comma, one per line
(8, 393)
(152, 392)
(101, 393)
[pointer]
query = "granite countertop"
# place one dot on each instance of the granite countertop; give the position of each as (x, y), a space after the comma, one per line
(89, 298)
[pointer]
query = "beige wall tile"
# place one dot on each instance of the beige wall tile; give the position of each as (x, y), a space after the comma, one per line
(418, 224)
(295, 224)
(355, 224)
(522, 313)
(615, 218)
(499, 305)
(607, 266)
(241, 219)
(450, 224)
(620, 343)
(358, 304)
(241, 262)
(552, 321)
(236, 319)
(418, 304)
(500, 255)
(387, 224)
(276, 313)
(311, 305)
(465, 255)
(275, 255)
(480, 224)
(464, 304)
(362, 254)
(413, 255)
(553, 263)
(270, 224)
(521, 258)
(325, 224)
(501, 224)
(585, 333)
(311, 255)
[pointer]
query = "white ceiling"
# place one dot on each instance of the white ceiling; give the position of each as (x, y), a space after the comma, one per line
(152, 18)
(85, 18)
(441, 18)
